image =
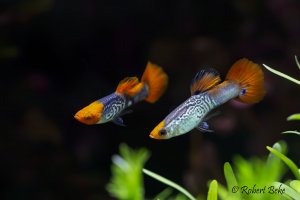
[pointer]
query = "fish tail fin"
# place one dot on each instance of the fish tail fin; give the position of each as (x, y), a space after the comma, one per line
(250, 77)
(156, 80)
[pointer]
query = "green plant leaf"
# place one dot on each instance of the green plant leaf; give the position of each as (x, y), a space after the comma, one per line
(295, 184)
(213, 191)
(273, 160)
(294, 117)
(169, 183)
(127, 177)
(287, 190)
(297, 62)
(282, 74)
(287, 161)
(291, 132)
(229, 176)
(223, 192)
(164, 194)
(280, 147)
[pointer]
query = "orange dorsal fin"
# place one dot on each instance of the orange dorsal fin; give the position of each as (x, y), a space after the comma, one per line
(127, 84)
(250, 77)
(205, 80)
(156, 80)
(130, 86)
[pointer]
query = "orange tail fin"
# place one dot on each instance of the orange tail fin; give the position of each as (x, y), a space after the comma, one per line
(250, 77)
(157, 81)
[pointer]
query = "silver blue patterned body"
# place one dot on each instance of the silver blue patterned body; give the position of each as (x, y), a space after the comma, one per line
(189, 114)
(115, 105)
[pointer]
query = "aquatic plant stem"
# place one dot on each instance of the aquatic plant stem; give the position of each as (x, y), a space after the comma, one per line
(169, 183)
(297, 62)
(292, 132)
(282, 74)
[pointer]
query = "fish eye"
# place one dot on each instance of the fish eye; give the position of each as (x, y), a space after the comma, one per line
(88, 118)
(162, 132)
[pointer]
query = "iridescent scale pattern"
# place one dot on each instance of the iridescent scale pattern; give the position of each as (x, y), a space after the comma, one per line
(189, 114)
(114, 104)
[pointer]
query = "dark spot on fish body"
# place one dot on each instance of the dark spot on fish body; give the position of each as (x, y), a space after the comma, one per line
(88, 117)
(197, 92)
(243, 91)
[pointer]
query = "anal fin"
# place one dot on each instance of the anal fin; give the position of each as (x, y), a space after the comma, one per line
(204, 127)
(118, 121)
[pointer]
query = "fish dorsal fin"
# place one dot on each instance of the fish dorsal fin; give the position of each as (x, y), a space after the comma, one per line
(127, 84)
(205, 80)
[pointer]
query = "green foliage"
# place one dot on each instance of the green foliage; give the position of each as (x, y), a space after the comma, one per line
(213, 191)
(293, 132)
(231, 182)
(169, 183)
(253, 173)
(294, 116)
(293, 167)
(127, 178)
(229, 175)
(289, 193)
(283, 75)
(297, 62)
(167, 195)
(290, 118)
(295, 185)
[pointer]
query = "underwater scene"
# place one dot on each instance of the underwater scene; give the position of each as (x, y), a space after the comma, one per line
(150, 100)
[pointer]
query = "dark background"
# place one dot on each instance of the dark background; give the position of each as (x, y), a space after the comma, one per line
(58, 56)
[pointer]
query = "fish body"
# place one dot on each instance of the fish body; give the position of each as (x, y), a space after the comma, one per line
(129, 91)
(113, 105)
(244, 81)
(189, 114)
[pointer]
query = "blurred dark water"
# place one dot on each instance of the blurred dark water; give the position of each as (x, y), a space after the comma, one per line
(58, 56)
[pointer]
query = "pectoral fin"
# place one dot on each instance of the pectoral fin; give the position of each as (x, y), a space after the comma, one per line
(118, 121)
(126, 112)
(204, 127)
(211, 115)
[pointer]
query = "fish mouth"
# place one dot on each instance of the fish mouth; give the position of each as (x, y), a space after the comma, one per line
(80, 118)
(155, 132)
(76, 116)
(90, 114)
(156, 136)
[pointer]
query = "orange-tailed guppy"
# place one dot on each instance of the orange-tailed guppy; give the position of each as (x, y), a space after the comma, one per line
(129, 91)
(244, 81)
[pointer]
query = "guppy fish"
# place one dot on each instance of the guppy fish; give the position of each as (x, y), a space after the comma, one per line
(130, 90)
(244, 81)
